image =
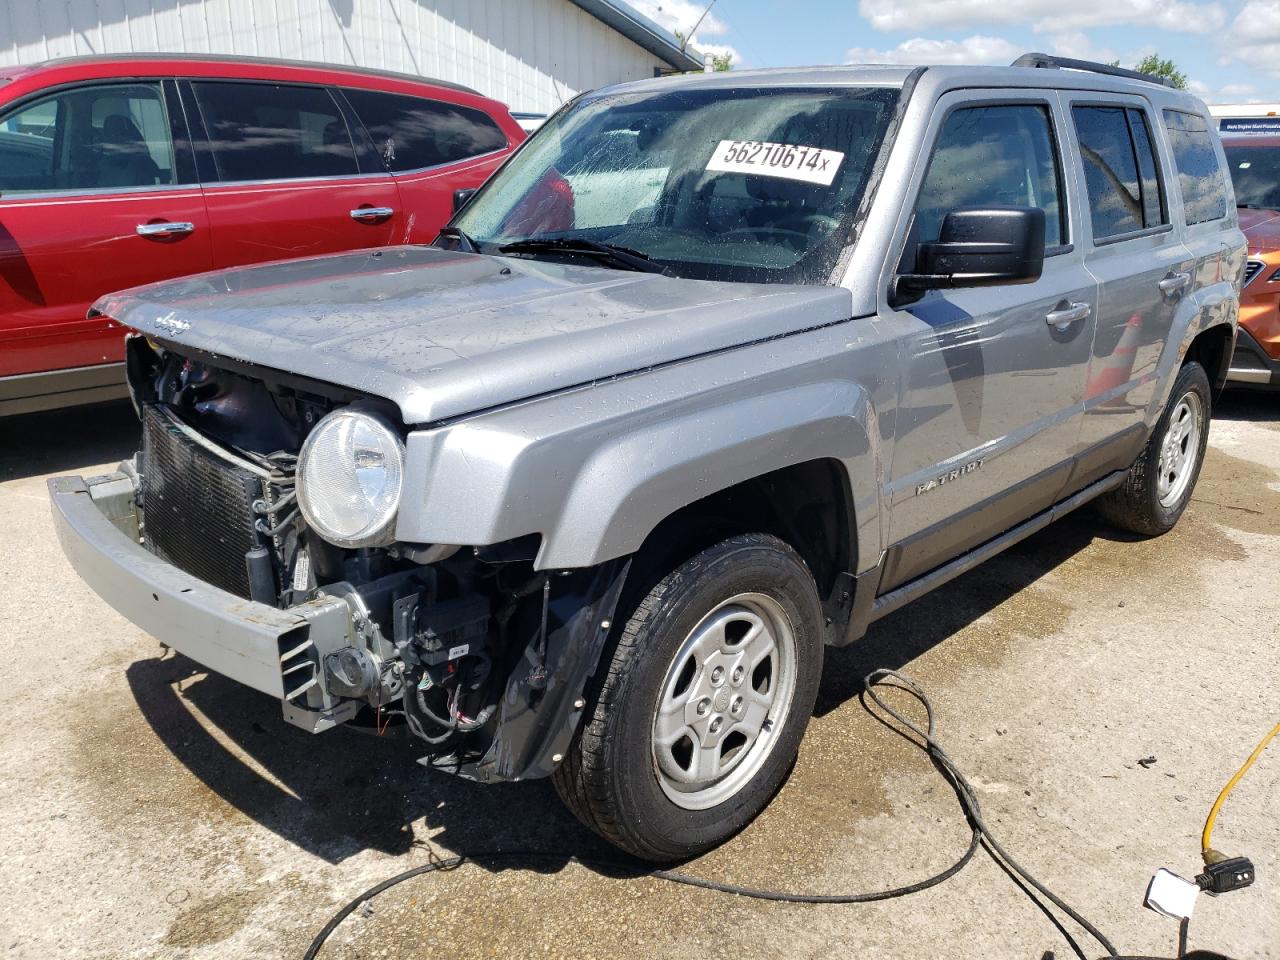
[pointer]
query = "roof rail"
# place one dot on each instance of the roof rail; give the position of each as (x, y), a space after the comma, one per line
(1046, 62)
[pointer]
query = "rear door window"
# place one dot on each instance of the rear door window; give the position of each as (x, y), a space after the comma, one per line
(413, 132)
(108, 137)
(1204, 188)
(1120, 169)
(266, 131)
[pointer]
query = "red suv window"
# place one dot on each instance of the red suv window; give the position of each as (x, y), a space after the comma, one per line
(91, 138)
(263, 131)
(412, 132)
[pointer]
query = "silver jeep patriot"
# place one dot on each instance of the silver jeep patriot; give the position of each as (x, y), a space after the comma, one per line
(714, 371)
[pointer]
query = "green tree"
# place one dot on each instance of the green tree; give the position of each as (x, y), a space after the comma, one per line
(1155, 65)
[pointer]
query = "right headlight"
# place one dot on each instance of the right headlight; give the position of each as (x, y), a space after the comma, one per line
(350, 474)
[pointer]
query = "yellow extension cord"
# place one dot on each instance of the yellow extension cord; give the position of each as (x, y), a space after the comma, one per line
(1210, 855)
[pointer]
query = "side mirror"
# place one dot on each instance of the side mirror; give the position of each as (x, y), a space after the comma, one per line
(980, 248)
(460, 197)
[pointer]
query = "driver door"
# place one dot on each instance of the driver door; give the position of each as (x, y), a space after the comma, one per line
(993, 378)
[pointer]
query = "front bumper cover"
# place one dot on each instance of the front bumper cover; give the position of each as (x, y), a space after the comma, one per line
(274, 651)
(280, 652)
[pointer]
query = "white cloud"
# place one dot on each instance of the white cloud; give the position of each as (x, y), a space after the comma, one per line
(975, 49)
(1228, 93)
(1045, 16)
(1254, 37)
(681, 15)
(1076, 44)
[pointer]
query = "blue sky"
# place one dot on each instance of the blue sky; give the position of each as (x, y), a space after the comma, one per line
(1229, 50)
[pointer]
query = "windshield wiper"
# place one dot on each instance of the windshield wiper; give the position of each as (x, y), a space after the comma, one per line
(465, 242)
(621, 256)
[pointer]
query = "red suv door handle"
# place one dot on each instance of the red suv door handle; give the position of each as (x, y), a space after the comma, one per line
(165, 229)
(371, 214)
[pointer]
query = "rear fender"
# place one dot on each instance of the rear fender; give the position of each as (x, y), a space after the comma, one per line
(1215, 304)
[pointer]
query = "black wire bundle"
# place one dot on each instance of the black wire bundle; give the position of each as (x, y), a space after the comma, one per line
(927, 741)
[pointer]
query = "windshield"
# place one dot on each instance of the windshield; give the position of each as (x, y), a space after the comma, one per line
(758, 185)
(1255, 173)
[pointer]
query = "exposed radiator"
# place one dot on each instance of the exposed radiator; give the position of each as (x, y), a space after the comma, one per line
(197, 502)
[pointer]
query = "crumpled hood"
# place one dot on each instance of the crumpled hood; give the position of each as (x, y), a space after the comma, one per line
(441, 333)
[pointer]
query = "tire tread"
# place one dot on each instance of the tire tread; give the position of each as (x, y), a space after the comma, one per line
(583, 779)
(1134, 505)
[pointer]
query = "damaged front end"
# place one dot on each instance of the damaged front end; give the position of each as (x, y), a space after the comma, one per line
(203, 540)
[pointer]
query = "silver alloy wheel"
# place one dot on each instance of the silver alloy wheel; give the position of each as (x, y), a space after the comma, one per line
(1180, 449)
(724, 698)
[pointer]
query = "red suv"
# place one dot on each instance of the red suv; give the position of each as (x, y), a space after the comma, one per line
(118, 171)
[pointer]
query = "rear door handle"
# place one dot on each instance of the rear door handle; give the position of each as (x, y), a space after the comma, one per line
(1067, 314)
(165, 229)
(371, 214)
(1175, 282)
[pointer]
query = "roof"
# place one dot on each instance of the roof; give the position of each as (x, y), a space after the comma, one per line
(871, 76)
(642, 31)
(16, 71)
(940, 77)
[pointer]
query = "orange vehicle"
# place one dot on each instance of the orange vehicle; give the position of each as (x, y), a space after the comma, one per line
(1254, 161)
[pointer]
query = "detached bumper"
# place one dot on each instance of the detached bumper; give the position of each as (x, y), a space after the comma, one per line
(271, 650)
(1250, 364)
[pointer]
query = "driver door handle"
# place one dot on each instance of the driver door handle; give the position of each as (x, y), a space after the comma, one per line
(371, 214)
(1175, 282)
(165, 229)
(1067, 313)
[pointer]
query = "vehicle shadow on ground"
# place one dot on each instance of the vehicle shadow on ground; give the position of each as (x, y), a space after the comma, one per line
(1248, 405)
(343, 791)
(67, 440)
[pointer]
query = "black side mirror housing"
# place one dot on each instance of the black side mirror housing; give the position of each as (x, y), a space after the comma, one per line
(460, 197)
(980, 248)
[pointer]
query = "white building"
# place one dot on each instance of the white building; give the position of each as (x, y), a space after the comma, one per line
(530, 54)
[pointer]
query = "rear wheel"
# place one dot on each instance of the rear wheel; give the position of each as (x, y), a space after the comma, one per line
(707, 693)
(1159, 485)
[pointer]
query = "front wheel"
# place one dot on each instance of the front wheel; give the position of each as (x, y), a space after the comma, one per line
(1158, 487)
(708, 690)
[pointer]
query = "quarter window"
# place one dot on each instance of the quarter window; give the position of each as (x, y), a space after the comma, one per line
(411, 132)
(91, 138)
(992, 156)
(1120, 170)
(260, 131)
(1204, 188)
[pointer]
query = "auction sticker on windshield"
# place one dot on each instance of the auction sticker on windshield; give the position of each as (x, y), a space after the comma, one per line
(787, 160)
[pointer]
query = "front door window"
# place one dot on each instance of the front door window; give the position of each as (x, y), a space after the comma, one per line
(109, 137)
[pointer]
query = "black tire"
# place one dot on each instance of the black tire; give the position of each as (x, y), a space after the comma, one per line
(609, 777)
(1135, 505)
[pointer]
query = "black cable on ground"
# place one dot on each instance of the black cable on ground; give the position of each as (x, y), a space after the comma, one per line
(928, 742)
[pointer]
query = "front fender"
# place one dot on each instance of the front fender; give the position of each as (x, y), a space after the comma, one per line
(594, 471)
(633, 481)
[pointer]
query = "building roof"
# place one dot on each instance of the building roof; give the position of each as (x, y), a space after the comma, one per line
(642, 31)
